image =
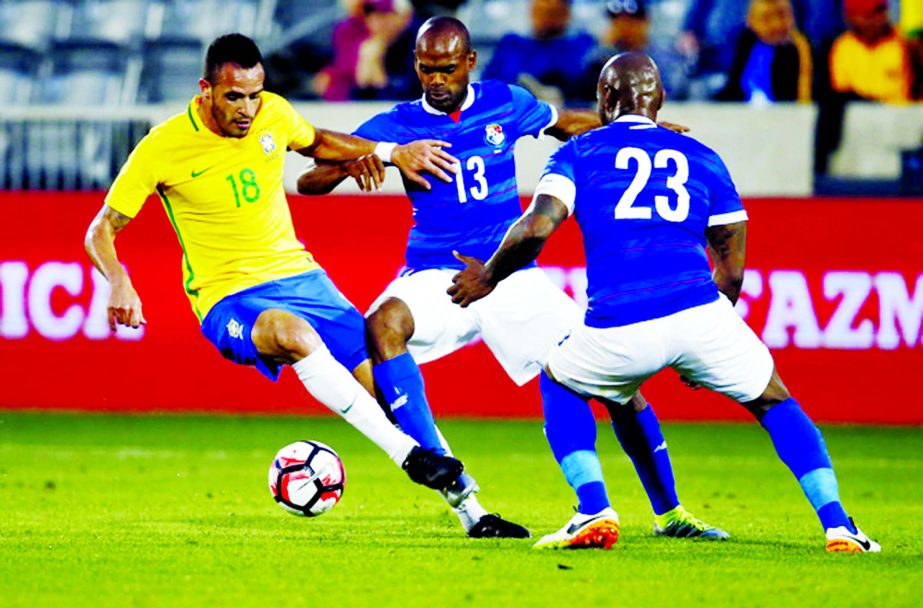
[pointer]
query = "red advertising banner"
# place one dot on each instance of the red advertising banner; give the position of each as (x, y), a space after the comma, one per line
(834, 287)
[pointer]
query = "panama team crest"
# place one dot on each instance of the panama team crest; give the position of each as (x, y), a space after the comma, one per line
(235, 329)
(268, 143)
(493, 134)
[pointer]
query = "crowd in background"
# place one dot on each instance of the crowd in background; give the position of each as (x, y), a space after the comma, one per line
(756, 51)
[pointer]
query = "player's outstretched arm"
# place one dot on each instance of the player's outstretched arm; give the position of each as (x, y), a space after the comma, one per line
(414, 158)
(124, 306)
(573, 122)
(522, 244)
(325, 175)
(727, 246)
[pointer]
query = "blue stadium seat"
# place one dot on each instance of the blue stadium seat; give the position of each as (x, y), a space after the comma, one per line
(119, 23)
(171, 71)
(90, 76)
(203, 20)
(28, 25)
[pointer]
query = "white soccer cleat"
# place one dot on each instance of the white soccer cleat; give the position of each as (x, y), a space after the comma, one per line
(841, 540)
(599, 531)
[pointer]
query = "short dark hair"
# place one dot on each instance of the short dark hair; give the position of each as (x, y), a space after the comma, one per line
(230, 48)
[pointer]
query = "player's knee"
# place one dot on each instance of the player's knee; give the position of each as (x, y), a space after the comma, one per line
(285, 336)
(390, 323)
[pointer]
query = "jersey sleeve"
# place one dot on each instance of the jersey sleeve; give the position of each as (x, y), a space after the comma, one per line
(137, 179)
(532, 116)
(301, 133)
(725, 206)
(377, 128)
(559, 179)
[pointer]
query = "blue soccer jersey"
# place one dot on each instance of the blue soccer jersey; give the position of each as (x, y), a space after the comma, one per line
(643, 197)
(471, 214)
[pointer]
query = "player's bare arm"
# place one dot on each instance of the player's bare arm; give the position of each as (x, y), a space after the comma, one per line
(575, 122)
(521, 245)
(727, 246)
(325, 175)
(124, 307)
(414, 158)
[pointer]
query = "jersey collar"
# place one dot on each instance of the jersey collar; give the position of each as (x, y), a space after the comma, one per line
(635, 118)
(469, 99)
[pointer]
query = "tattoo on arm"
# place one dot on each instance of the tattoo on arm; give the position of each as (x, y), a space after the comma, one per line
(526, 238)
(727, 245)
(117, 220)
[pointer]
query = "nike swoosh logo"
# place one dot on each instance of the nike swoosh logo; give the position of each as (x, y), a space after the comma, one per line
(865, 544)
(575, 526)
(347, 408)
(196, 174)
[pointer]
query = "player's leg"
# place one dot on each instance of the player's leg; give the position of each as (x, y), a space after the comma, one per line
(414, 319)
(801, 446)
(286, 337)
(723, 354)
(389, 326)
(609, 365)
(521, 321)
(638, 431)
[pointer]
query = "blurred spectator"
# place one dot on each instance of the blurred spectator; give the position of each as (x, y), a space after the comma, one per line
(372, 53)
(708, 40)
(773, 59)
(871, 61)
(547, 61)
(912, 26)
(628, 31)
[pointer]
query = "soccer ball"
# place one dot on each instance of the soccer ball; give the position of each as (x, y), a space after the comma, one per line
(307, 478)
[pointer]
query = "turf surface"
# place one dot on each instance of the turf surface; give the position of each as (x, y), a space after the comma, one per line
(99, 510)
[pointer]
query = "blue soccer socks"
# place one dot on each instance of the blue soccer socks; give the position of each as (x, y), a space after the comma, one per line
(401, 384)
(641, 438)
(571, 431)
(801, 447)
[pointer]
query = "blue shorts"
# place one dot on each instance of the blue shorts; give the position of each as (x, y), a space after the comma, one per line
(311, 296)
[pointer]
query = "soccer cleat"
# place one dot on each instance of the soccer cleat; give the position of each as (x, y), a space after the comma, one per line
(430, 469)
(841, 540)
(599, 531)
(494, 526)
(459, 490)
(680, 523)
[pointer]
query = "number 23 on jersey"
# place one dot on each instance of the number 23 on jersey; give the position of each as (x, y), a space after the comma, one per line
(643, 164)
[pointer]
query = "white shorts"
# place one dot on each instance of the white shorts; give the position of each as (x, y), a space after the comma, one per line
(520, 321)
(709, 344)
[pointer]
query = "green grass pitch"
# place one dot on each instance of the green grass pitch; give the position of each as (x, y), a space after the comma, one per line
(100, 510)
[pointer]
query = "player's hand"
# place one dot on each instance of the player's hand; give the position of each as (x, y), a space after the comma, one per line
(124, 306)
(690, 382)
(425, 155)
(368, 171)
(470, 284)
(673, 126)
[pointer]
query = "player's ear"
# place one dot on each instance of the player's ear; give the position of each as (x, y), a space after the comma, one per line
(205, 87)
(472, 59)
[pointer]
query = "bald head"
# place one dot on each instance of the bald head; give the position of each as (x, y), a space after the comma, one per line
(443, 60)
(629, 84)
(448, 34)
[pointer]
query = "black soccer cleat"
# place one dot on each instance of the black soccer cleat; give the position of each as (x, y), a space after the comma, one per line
(432, 470)
(494, 526)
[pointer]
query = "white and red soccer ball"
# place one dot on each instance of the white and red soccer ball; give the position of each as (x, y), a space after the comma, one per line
(307, 478)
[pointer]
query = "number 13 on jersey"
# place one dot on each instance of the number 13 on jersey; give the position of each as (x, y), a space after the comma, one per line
(625, 209)
(475, 167)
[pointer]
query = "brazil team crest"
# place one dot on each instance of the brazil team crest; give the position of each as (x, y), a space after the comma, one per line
(268, 143)
(493, 134)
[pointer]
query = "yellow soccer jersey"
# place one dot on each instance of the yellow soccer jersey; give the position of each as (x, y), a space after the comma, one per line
(224, 197)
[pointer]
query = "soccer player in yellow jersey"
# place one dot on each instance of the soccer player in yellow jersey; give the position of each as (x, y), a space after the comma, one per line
(261, 298)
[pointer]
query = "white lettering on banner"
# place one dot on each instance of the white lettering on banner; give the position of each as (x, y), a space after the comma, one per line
(855, 288)
(791, 319)
(897, 305)
(13, 321)
(27, 303)
(790, 307)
